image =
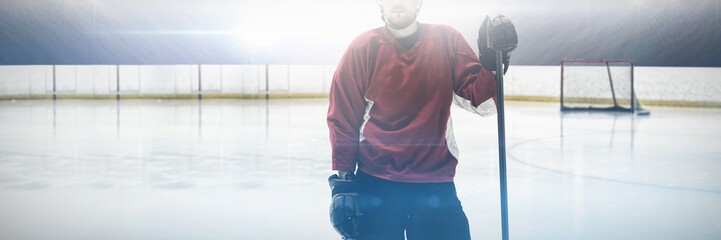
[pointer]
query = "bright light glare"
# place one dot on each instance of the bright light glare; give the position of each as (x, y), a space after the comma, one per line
(265, 23)
(259, 33)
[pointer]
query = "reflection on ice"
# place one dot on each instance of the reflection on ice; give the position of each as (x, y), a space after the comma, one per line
(256, 169)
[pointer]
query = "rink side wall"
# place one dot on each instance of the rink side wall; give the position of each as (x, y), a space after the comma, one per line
(668, 86)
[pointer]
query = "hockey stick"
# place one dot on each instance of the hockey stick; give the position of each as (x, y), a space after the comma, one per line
(501, 144)
(505, 40)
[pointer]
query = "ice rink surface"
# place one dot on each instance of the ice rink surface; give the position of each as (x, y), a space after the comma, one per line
(257, 169)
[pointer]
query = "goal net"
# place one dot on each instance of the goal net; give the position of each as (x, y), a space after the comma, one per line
(598, 85)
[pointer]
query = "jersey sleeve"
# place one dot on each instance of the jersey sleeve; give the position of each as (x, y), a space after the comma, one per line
(346, 109)
(474, 87)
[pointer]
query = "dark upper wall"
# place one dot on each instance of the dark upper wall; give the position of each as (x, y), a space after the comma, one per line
(649, 32)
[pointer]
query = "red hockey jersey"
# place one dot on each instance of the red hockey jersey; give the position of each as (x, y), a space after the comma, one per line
(390, 107)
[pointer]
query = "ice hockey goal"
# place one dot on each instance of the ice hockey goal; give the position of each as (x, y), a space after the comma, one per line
(598, 85)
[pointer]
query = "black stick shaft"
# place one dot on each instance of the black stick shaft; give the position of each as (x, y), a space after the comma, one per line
(501, 145)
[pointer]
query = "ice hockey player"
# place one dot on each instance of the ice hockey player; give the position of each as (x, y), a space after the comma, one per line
(390, 128)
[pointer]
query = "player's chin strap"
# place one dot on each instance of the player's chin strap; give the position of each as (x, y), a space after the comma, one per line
(506, 59)
(383, 16)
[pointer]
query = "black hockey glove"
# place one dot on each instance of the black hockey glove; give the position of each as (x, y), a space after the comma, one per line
(496, 34)
(344, 209)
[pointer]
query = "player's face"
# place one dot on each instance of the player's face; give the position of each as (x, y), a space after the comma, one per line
(400, 13)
